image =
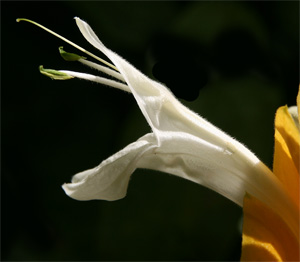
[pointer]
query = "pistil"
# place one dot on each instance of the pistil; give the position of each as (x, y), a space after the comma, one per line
(69, 42)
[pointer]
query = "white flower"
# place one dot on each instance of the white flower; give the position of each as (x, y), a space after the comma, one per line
(181, 143)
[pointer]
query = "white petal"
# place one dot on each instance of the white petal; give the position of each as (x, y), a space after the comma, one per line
(160, 108)
(293, 110)
(163, 111)
(88, 33)
(217, 168)
(222, 170)
(169, 118)
(191, 147)
(109, 180)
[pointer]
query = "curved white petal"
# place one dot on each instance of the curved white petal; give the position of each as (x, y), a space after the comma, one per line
(109, 180)
(159, 106)
(162, 110)
(179, 154)
(188, 146)
(217, 168)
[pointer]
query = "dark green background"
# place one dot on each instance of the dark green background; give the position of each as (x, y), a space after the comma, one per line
(241, 57)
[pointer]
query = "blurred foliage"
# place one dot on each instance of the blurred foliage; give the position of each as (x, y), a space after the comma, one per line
(233, 63)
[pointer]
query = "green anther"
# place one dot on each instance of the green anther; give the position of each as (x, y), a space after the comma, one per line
(69, 56)
(54, 74)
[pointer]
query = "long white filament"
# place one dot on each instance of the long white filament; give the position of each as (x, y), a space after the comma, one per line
(102, 69)
(97, 79)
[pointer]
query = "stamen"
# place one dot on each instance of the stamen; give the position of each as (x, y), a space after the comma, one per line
(69, 56)
(97, 79)
(74, 57)
(69, 42)
(54, 74)
(103, 69)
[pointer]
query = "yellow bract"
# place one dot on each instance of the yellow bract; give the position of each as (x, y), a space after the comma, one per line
(298, 104)
(265, 236)
(286, 156)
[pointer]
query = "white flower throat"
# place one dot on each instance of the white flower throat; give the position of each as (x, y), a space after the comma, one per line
(181, 142)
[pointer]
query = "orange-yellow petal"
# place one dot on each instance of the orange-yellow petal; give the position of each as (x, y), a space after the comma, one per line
(286, 155)
(298, 104)
(265, 236)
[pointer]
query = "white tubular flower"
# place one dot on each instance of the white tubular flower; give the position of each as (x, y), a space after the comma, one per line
(181, 143)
